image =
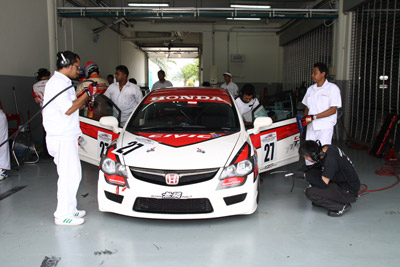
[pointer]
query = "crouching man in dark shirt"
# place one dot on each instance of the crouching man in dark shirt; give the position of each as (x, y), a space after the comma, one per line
(334, 182)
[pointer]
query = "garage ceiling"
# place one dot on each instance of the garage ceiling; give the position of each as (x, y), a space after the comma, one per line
(119, 17)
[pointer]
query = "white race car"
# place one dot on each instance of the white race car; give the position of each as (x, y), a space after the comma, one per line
(185, 153)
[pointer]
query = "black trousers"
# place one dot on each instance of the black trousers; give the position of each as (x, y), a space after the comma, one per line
(331, 198)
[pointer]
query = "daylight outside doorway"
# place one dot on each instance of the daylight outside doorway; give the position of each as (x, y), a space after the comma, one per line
(181, 65)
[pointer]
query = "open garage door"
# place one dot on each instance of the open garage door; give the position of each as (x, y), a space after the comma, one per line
(181, 65)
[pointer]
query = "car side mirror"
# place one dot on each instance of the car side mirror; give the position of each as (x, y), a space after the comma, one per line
(111, 122)
(261, 122)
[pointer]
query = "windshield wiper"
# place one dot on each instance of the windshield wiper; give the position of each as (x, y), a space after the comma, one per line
(155, 127)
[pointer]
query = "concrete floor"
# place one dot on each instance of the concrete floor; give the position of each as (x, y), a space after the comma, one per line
(285, 230)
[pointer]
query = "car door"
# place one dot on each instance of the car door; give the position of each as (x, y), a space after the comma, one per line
(95, 138)
(277, 145)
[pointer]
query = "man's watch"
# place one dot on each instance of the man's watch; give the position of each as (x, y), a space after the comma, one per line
(88, 92)
(314, 117)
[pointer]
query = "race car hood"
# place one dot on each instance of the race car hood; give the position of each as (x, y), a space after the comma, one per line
(176, 151)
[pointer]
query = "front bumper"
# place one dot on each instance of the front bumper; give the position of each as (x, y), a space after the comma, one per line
(195, 201)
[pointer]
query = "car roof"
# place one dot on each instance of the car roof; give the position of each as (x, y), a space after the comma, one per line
(202, 94)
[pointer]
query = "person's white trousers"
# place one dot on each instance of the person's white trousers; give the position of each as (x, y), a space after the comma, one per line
(324, 136)
(4, 149)
(69, 171)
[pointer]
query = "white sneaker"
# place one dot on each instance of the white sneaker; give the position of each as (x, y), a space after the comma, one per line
(69, 221)
(3, 174)
(80, 213)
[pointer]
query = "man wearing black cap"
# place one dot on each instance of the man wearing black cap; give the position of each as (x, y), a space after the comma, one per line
(42, 76)
(229, 85)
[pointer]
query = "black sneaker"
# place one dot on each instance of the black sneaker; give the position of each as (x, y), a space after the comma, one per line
(339, 213)
(303, 169)
(315, 205)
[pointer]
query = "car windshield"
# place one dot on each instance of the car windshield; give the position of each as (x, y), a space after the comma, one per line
(184, 116)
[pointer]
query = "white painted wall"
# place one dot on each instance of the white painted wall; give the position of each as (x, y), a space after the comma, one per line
(135, 60)
(263, 56)
(24, 37)
(75, 35)
(108, 51)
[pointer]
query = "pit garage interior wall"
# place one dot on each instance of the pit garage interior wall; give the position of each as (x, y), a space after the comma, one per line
(375, 53)
(301, 54)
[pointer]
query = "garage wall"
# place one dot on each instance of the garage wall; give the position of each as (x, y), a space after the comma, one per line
(262, 65)
(135, 60)
(24, 49)
(262, 56)
(105, 48)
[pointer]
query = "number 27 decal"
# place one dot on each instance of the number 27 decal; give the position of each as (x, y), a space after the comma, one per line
(269, 151)
(268, 144)
(129, 148)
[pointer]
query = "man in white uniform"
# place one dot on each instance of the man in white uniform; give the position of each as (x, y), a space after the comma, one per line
(322, 100)
(61, 122)
(4, 149)
(231, 86)
(42, 76)
(162, 82)
(123, 93)
(247, 101)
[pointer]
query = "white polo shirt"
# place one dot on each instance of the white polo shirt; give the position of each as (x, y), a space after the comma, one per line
(232, 88)
(38, 91)
(246, 107)
(126, 99)
(57, 124)
(159, 84)
(319, 99)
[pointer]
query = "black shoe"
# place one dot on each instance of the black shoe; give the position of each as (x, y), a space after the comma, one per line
(315, 205)
(339, 213)
(303, 169)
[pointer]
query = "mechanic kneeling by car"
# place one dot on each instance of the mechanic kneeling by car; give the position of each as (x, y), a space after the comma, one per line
(334, 182)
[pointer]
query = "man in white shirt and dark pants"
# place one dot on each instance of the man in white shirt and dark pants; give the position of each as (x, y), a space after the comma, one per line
(322, 100)
(247, 101)
(229, 85)
(123, 93)
(162, 82)
(61, 122)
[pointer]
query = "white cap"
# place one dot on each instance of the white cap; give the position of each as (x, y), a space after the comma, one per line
(227, 73)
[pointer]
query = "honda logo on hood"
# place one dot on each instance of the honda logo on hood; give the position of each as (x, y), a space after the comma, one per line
(172, 178)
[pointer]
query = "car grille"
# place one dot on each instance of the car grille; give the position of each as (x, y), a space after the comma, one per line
(186, 177)
(173, 206)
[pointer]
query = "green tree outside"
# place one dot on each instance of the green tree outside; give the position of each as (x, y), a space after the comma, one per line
(189, 73)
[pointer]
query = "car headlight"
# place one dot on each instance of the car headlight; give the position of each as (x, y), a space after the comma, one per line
(115, 173)
(240, 169)
(111, 167)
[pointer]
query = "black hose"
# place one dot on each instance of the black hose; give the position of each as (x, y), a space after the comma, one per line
(40, 110)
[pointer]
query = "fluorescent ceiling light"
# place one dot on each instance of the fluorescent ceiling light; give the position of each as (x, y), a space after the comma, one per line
(243, 18)
(148, 4)
(251, 6)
